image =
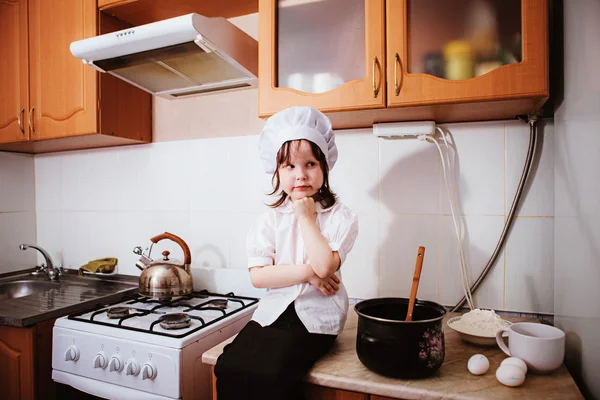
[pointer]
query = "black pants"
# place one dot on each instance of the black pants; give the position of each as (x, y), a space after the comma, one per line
(269, 363)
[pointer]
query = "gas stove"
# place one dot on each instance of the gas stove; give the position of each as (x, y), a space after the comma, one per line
(200, 310)
(144, 348)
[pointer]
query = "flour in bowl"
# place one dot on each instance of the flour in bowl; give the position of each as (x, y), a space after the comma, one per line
(480, 323)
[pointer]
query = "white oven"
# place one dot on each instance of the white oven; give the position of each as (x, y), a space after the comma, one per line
(141, 348)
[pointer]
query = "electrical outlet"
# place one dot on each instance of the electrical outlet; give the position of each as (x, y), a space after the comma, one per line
(404, 129)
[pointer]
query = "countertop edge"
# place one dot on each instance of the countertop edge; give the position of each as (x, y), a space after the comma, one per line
(449, 384)
(380, 389)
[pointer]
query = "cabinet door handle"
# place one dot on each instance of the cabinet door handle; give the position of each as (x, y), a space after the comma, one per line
(396, 83)
(19, 120)
(30, 122)
(375, 86)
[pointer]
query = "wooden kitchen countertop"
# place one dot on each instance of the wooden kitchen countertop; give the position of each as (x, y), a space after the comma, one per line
(341, 369)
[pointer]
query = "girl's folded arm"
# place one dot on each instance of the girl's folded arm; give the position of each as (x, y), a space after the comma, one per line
(323, 260)
(277, 276)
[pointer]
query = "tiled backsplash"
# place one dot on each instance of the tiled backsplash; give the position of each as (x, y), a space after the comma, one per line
(17, 211)
(102, 203)
(202, 180)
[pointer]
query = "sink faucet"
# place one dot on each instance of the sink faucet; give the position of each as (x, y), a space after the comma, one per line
(51, 271)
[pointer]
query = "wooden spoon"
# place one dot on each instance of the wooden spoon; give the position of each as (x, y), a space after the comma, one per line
(415, 283)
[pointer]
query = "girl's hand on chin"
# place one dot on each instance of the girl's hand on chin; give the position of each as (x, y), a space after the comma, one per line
(304, 207)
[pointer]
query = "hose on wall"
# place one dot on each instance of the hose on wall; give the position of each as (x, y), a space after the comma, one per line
(513, 208)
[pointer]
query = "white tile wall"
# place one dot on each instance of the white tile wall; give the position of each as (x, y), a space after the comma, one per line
(478, 245)
(408, 181)
(210, 191)
(210, 230)
(577, 274)
(239, 225)
(17, 228)
(539, 201)
(17, 211)
(480, 162)
(355, 180)
(577, 190)
(17, 191)
(48, 183)
(576, 172)
(400, 238)
(530, 265)
(361, 270)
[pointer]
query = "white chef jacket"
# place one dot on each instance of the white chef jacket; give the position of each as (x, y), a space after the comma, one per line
(276, 239)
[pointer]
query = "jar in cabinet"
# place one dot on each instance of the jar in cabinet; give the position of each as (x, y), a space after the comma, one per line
(459, 57)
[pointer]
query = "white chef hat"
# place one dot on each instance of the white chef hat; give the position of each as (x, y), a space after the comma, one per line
(296, 123)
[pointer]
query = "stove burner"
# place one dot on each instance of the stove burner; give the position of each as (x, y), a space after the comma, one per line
(174, 321)
(221, 304)
(117, 312)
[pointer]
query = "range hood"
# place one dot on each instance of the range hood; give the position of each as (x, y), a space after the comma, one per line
(177, 57)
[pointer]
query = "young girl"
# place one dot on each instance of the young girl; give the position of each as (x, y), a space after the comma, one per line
(295, 250)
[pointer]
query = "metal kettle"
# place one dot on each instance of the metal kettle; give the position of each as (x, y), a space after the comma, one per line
(165, 278)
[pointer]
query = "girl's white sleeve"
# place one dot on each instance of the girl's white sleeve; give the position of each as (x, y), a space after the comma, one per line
(341, 231)
(260, 242)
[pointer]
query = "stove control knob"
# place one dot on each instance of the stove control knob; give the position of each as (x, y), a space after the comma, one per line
(149, 370)
(100, 360)
(72, 353)
(115, 363)
(132, 367)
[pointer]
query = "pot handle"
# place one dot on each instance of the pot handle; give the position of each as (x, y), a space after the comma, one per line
(187, 256)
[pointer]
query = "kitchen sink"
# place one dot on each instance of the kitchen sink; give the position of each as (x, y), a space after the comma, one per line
(28, 296)
(22, 288)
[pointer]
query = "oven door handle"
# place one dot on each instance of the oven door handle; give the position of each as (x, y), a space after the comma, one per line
(103, 389)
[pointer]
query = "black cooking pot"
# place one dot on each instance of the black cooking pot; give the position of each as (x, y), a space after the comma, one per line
(390, 346)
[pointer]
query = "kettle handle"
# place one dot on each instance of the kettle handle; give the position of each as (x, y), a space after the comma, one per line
(187, 257)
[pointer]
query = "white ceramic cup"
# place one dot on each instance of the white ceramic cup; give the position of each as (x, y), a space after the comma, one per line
(542, 347)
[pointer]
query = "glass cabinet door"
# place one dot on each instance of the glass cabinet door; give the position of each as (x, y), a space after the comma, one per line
(320, 44)
(444, 51)
(327, 54)
(462, 39)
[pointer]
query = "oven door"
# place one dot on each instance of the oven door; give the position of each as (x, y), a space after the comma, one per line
(113, 367)
(94, 388)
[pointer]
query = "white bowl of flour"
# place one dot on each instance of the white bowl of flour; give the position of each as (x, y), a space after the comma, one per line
(478, 326)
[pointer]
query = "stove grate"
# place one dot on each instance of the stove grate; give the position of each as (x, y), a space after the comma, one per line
(130, 300)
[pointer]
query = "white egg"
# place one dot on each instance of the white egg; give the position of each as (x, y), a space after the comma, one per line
(515, 361)
(478, 364)
(510, 375)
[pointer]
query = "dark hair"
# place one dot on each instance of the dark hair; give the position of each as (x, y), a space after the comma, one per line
(324, 195)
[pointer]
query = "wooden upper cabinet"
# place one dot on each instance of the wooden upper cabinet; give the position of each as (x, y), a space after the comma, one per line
(14, 79)
(462, 51)
(447, 61)
(325, 54)
(63, 90)
(60, 103)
